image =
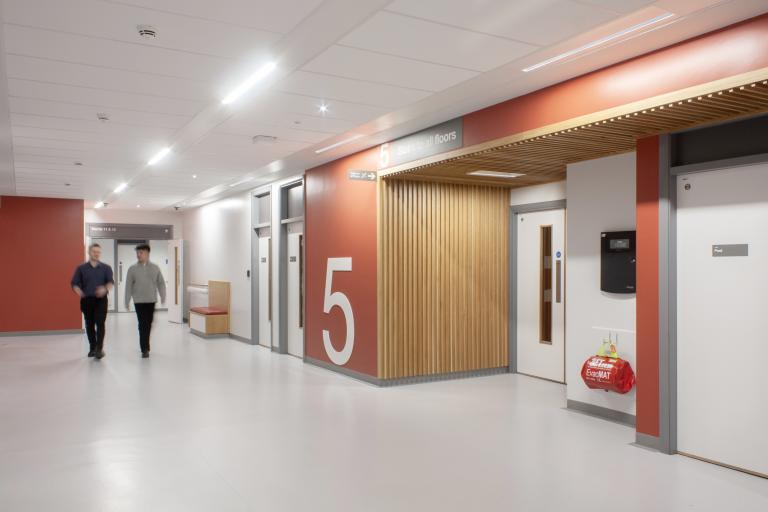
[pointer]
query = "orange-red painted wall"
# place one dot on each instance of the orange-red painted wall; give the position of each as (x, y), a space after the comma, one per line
(733, 50)
(42, 242)
(647, 286)
(340, 221)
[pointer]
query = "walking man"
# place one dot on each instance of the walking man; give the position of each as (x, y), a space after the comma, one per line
(91, 282)
(142, 284)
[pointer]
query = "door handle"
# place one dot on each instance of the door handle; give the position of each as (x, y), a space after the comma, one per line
(558, 279)
(120, 270)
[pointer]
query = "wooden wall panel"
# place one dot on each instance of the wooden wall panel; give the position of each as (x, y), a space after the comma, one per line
(444, 278)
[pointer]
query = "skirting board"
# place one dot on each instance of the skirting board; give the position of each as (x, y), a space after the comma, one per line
(406, 380)
(41, 333)
(602, 412)
(201, 334)
(647, 441)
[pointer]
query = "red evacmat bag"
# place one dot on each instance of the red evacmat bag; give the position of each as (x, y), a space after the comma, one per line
(610, 373)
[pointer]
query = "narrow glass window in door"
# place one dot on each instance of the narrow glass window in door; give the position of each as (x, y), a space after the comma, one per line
(545, 293)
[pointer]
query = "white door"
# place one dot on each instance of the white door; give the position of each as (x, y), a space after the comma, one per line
(295, 296)
(175, 279)
(126, 256)
(722, 316)
(159, 255)
(265, 291)
(541, 294)
(108, 257)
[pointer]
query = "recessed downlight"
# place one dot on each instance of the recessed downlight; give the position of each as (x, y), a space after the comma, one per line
(98, 205)
(495, 174)
(138, 206)
(323, 108)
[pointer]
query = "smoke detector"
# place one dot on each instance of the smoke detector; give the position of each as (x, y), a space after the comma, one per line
(268, 139)
(147, 31)
(102, 116)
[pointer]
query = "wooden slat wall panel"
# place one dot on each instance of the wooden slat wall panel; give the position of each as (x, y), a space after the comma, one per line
(444, 283)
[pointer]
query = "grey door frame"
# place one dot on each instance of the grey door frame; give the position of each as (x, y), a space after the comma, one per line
(514, 211)
(667, 440)
(255, 194)
(284, 221)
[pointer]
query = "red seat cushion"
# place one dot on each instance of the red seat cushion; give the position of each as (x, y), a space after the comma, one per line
(208, 311)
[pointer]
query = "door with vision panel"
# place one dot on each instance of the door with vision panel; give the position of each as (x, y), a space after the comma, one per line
(265, 291)
(722, 320)
(295, 289)
(540, 267)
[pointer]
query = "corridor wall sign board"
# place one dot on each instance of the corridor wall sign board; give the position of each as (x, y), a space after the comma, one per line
(341, 267)
(432, 141)
(129, 231)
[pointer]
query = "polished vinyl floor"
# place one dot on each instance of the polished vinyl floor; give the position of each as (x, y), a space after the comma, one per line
(218, 425)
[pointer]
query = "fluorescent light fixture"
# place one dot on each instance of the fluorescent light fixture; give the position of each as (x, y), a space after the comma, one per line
(120, 188)
(100, 204)
(340, 143)
(244, 180)
(599, 42)
(159, 156)
(495, 174)
(252, 80)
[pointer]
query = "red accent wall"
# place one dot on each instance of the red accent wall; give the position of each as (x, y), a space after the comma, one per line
(42, 241)
(696, 61)
(648, 286)
(340, 221)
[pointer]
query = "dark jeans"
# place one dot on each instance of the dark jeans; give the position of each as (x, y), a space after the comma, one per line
(145, 312)
(95, 313)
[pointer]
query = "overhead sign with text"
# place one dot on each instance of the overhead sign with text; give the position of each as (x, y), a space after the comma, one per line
(432, 141)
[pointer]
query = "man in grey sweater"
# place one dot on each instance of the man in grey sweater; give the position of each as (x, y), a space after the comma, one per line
(142, 284)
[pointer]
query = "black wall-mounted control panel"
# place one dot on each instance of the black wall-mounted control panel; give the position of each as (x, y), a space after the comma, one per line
(617, 262)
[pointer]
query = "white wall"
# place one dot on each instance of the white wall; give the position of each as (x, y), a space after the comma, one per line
(219, 248)
(137, 216)
(538, 193)
(601, 197)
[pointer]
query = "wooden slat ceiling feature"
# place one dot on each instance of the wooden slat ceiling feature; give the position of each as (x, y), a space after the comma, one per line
(543, 157)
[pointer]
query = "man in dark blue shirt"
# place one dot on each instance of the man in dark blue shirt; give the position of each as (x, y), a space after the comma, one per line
(92, 282)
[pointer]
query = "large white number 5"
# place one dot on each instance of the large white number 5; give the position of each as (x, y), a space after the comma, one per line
(339, 357)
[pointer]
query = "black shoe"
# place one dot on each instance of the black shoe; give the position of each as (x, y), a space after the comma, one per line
(91, 353)
(144, 355)
(100, 354)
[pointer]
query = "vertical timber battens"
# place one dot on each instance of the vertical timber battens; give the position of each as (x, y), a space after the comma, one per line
(444, 278)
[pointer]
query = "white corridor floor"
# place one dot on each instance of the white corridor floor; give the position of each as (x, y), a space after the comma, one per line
(218, 425)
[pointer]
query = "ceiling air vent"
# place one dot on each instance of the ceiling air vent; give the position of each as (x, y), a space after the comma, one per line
(147, 31)
(264, 139)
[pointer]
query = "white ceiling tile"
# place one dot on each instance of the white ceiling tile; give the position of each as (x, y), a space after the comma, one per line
(66, 111)
(281, 103)
(98, 77)
(100, 99)
(250, 127)
(262, 14)
(89, 126)
(353, 91)
(113, 54)
(387, 69)
(116, 21)
(622, 6)
(541, 22)
(434, 42)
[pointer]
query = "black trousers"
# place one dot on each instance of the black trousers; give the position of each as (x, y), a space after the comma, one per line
(95, 313)
(145, 312)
